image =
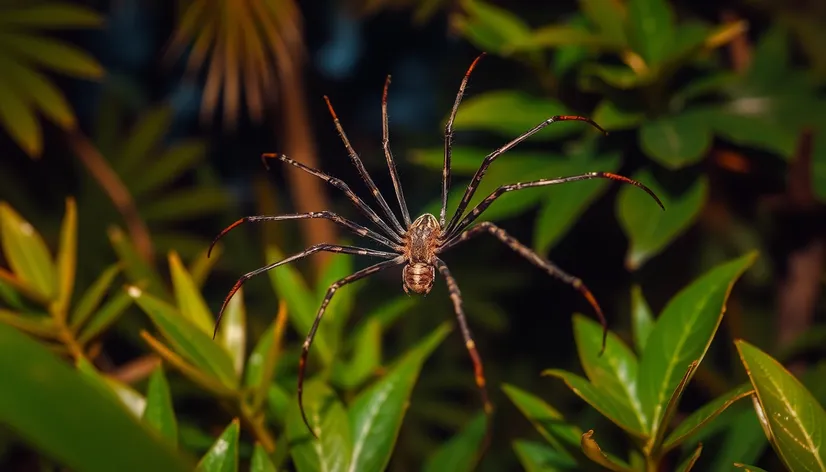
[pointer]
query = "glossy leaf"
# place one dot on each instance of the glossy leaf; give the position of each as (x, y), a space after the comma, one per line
(328, 418)
(548, 421)
(82, 428)
(510, 113)
(264, 357)
(676, 141)
(642, 319)
(689, 462)
(365, 360)
(186, 338)
(683, 333)
(93, 296)
(592, 451)
(538, 457)
(27, 253)
(223, 455)
(105, 316)
(376, 415)
(232, 334)
(338, 311)
(460, 453)
(614, 373)
(189, 300)
(135, 268)
(159, 412)
(261, 461)
(66, 261)
(651, 29)
(649, 228)
(701, 417)
(795, 419)
(658, 430)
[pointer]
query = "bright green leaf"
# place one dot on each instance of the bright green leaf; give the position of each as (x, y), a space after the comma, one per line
(190, 302)
(52, 54)
(159, 412)
(613, 118)
(232, 334)
(133, 401)
(204, 379)
(264, 357)
(548, 421)
(489, 27)
(676, 141)
(649, 228)
(338, 311)
(50, 15)
(328, 418)
(376, 414)
(651, 29)
(558, 36)
(39, 91)
(66, 261)
(690, 461)
(261, 461)
(795, 419)
(27, 253)
(743, 439)
(642, 319)
(92, 297)
(107, 314)
(700, 418)
(278, 402)
(365, 360)
(461, 452)
(82, 428)
(223, 455)
(538, 457)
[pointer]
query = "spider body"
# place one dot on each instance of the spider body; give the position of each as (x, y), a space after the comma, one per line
(417, 245)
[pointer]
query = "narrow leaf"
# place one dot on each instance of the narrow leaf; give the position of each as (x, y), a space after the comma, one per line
(548, 421)
(749, 468)
(107, 314)
(365, 360)
(688, 464)
(697, 420)
(592, 451)
(92, 297)
(261, 461)
(193, 373)
(171, 164)
(461, 452)
(159, 412)
(189, 300)
(52, 54)
(27, 253)
(658, 430)
(187, 204)
(232, 334)
(145, 136)
(42, 326)
(642, 319)
(328, 418)
(538, 457)
(136, 269)
(39, 92)
(51, 15)
(264, 357)
(66, 261)
(223, 455)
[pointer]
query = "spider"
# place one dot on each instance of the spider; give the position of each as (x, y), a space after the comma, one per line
(417, 244)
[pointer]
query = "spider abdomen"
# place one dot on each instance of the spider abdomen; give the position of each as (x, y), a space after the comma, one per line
(418, 277)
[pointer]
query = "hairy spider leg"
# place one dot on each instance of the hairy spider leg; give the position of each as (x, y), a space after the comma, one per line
(477, 177)
(484, 204)
(449, 138)
(327, 215)
(305, 348)
(358, 251)
(341, 185)
(391, 163)
(365, 176)
(478, 368)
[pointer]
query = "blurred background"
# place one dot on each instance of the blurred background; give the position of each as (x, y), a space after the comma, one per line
(154, 115)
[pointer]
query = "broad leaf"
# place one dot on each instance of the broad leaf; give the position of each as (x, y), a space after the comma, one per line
(793, 416)
(749, 468)
(376, 414)
(651, 29)
(510, 113)
(190, 302)
(538, 457)
(223, 455)
(548, 421)
(642, 320)
(460, 453)
(27, 253)
(328, 418)
(676, 141)
(700, 418)
(489, 27)
(159, 412)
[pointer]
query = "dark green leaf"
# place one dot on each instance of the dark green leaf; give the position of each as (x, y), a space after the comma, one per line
(556, 36)
(649, 228)
(92, 297)
(688, 463)
(651, 29)
(172, 162)
(107, 314)
(621, 77)
(66, 261)
(159, 412)
(136, 269)
(676, 141)
(82, 428)
(338, 311)
(27, 253)
(146, 135)
(328, 418)
(537, 457)
(608, 16)
(376, 414)
(547, 420)
(511, 113)
(19, 120)
(614, 118)
(683, 333)
(38, 91)
(50, 15)
(223, 455)
(592, 451)
(489, 27)
(187, 204)
(567, 58)
(460, 453)
(52, 54)
(700, 418)
(261, 461)
(793, 416)
(278, 402)
(195, 374)
(642, 319)
(366, 358)
(770, 60)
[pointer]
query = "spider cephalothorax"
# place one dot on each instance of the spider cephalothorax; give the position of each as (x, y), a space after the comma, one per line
(417, 244)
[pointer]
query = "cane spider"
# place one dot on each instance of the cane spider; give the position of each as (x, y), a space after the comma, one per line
(418, 244)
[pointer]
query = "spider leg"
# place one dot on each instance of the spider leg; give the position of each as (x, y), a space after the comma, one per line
(339, 184)
(449, 138)
(309, 251)
(328, 215)
(478, 368)
(305, 348)
(537, 260)
(354, 157)
(391, 163)
(477, 177)
(484, 204)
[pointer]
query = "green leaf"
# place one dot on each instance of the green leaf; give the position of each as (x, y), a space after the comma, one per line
(689, 462)
(366, 358)
(50, 15)
(171, 164)
(616, 76)
(261, 461)
(489, 27)
(19, 119)
(614, 372)
(189, 300)
(613, 118)
(608, 16)
(565, 203)
(51, 54)
(538, 457)
(651, 29)
(619, 413)
(683, 333)
(135, 268)
(548, 421)
(556, 36)
(133, 401)
(460, 453)
(186, 204)
(376, 414)
(38, 90)
(642, 319)
(223, 455)
(743, 439)
(39, 325)
(278, 402)
(592, 451)
(146, 135)
(511, 113)
(649, 228)
(749, 468)
(328, 418)
(186, 338)
(676, 141)
(82, 428)
(700, 418)
(793, 416)
(105, 316)
(232, 334)
(66, 261)
(27, 253)
(204, 379)
(264, 357)
(341, 305)
(159, 412)
(92, 297)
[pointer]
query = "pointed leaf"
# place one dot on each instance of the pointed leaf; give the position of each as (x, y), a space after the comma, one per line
(51, 15)
(548, 421)
(186, 338)
(365, 361)
(19, 120)
(328, 418)
(173, 161)
(261, 461)
(82, 428)
(92, 297)
(159, 412)
(145, 136)
(105, 316)
(649, 228)
(651, 29)
(223, 455)
(338, 311)
(490, 27)
(189, 300)
(511, 113)
(615, 372)
(262, 361)
(133, 401)
(697, 420)
(232, 334)
(658, 430)
(460, 453)
(27, 253)
(136, 269)
(592, 451)
(66, 260)
(376, 414)
(202, 264)
(676, 141)
(55, 55)
(40, 325)
(683, 333)
(642, 320)
(186, 204)
(743, 439)
(689, 462)
(538, 457)
(39, 92)
(795, 419)
(190, 371)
